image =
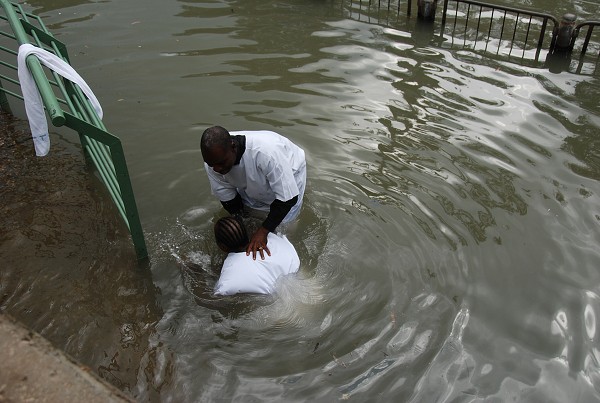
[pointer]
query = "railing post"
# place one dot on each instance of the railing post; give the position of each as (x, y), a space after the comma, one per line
(559, 57)
(566, 29)
(133, 219)
(426, 9)
(444, 12)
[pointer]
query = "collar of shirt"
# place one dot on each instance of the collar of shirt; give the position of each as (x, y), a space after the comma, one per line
(240, 142)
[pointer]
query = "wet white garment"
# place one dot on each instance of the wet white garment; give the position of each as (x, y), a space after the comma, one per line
(272, 167)
(242, 274)
(33, 101)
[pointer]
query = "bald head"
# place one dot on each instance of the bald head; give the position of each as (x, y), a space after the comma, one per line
(215, 137)
(218, 149)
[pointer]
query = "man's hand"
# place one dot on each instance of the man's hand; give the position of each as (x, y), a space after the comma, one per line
(258, 243)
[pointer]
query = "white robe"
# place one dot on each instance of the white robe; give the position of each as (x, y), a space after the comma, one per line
(272, 167)
(33, 101)
(242, 274)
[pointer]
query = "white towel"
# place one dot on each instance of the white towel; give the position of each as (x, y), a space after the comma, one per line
(33, 101)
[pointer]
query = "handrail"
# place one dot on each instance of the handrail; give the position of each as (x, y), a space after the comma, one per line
(103, 148)
(50, 101)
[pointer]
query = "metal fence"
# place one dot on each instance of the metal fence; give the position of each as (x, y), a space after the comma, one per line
(66, 105)
(588, 46)
(518, 35)
(501, 30)
(524, 34)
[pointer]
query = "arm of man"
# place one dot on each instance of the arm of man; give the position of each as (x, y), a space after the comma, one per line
(277, 212)
(234, 206)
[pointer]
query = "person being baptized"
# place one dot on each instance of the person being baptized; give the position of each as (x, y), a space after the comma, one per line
(242, 274)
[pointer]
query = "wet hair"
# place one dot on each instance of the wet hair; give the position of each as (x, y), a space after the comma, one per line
(215, 136)
(230, 231)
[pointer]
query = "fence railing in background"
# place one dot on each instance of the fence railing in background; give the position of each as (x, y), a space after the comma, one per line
(510, 32)
(66, 105)
(587, 43)
(519, 35)
(506, 30)
(381, 12)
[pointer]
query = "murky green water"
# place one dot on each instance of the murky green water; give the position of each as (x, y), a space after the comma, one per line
(449, 239)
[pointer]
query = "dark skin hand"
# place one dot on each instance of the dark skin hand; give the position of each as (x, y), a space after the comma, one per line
(258, 243)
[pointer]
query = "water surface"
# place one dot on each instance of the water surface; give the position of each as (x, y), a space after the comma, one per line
(449, 235)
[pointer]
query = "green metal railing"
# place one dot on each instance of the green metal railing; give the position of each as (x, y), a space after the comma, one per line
(69, 108)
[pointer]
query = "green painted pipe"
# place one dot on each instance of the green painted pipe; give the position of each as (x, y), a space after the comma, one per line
(48, 98)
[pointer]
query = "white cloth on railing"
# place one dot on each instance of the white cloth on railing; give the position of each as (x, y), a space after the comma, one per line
(33, 101)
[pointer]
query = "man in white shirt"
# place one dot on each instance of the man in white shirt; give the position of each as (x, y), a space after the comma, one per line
(240, 274)
(261, 170)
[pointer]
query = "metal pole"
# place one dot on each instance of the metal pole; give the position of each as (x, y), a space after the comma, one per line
(565, 32)
(426, 9)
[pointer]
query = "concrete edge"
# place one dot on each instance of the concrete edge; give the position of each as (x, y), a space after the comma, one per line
(33, 370)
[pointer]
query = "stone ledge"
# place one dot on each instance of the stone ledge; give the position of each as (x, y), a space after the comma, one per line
(33, 370)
